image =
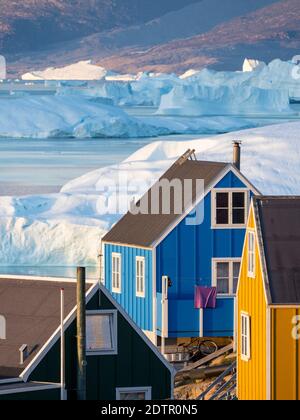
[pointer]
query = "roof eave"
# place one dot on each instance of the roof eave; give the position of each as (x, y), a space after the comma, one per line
(261, 247)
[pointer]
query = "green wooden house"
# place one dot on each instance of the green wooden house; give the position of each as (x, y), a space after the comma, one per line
(121, 362)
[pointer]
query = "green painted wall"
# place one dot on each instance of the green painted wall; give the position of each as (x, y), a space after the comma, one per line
(135, 365)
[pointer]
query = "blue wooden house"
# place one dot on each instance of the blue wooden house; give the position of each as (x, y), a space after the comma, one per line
(154, 262)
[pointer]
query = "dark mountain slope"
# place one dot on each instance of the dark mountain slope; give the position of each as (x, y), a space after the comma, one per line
(270, 32)
(33, 24)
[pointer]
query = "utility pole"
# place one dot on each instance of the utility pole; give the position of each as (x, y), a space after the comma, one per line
(81, 335)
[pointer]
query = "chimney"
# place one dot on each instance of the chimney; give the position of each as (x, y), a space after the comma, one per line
(23, 353)
(237, 154)
(81, 335)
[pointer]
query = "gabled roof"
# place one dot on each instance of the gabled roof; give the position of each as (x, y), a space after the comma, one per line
(145, 229)
(279, 238)
(32, 313)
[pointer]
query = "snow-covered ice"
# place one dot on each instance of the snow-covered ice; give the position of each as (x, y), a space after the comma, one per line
(83, 70)
(252, 64)
(66, 228)
(192, 99)
(92, 117)
(277, 75)
(68, 116)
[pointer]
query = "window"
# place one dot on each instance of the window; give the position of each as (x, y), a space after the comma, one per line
(251, 254)
(116, 273)
(229, 208)
(133, 394)
(140, 276)
(245, 337)
(101, 332)
(226, 276)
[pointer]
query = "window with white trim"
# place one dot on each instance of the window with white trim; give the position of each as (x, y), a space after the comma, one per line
(140, 276)
(245, 337)
(101, 332)
(134, 394)
(116, 273)
(226, 276)
(251, 254)
(229, 208)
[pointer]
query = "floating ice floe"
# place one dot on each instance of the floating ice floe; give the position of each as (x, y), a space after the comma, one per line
(69, 116)
(85, 117)
(193, 99)
(83, 70)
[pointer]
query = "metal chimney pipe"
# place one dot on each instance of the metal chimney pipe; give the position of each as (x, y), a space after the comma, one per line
(237, 154)
(23, 353)
(81, 335)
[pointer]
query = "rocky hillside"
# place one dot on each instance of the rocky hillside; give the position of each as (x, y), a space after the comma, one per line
(270, 32)
(136, 35)
(34, 24)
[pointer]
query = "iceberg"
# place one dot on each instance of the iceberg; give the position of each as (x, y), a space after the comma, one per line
(193, 99)
(277, 75)
(83, 70)
(69, 116)
(251, 64)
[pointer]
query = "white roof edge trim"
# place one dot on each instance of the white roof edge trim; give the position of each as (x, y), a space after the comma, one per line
(229, 167)
(55, 337)
(71, 317)
(137, 329)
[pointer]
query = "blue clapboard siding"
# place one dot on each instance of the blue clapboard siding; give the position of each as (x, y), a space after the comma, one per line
(139, 309)
(185, 255)
(184, 319)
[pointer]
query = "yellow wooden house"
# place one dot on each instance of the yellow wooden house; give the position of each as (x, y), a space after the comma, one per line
(268, 302)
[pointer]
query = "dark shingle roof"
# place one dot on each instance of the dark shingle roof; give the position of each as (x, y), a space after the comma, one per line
(32, 313)
(144, 229)
(280, 227)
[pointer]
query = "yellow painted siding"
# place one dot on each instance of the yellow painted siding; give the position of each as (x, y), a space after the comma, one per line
(252, 374)
(285, 355)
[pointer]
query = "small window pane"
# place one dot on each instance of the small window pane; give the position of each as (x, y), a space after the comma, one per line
(223, 286)
(238, 200)
(235, 284)
(236, 269)
(238, 216)
(132, 396)
(223, 270)
(222, 200)
(99, 332)
(236, 273)
(222, 216)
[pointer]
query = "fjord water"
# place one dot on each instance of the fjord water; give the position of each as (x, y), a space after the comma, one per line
(36, 166)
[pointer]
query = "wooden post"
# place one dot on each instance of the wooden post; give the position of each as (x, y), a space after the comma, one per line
(201, 322)
(62, 347)
(81, 335)
(165, 313)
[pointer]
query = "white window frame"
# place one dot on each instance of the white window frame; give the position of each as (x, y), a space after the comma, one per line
(230, 191)
(147, 390)
(231, 261)
(245, 337)
(114, 350)
(118, 256)
(251, 263)
(141, 278)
